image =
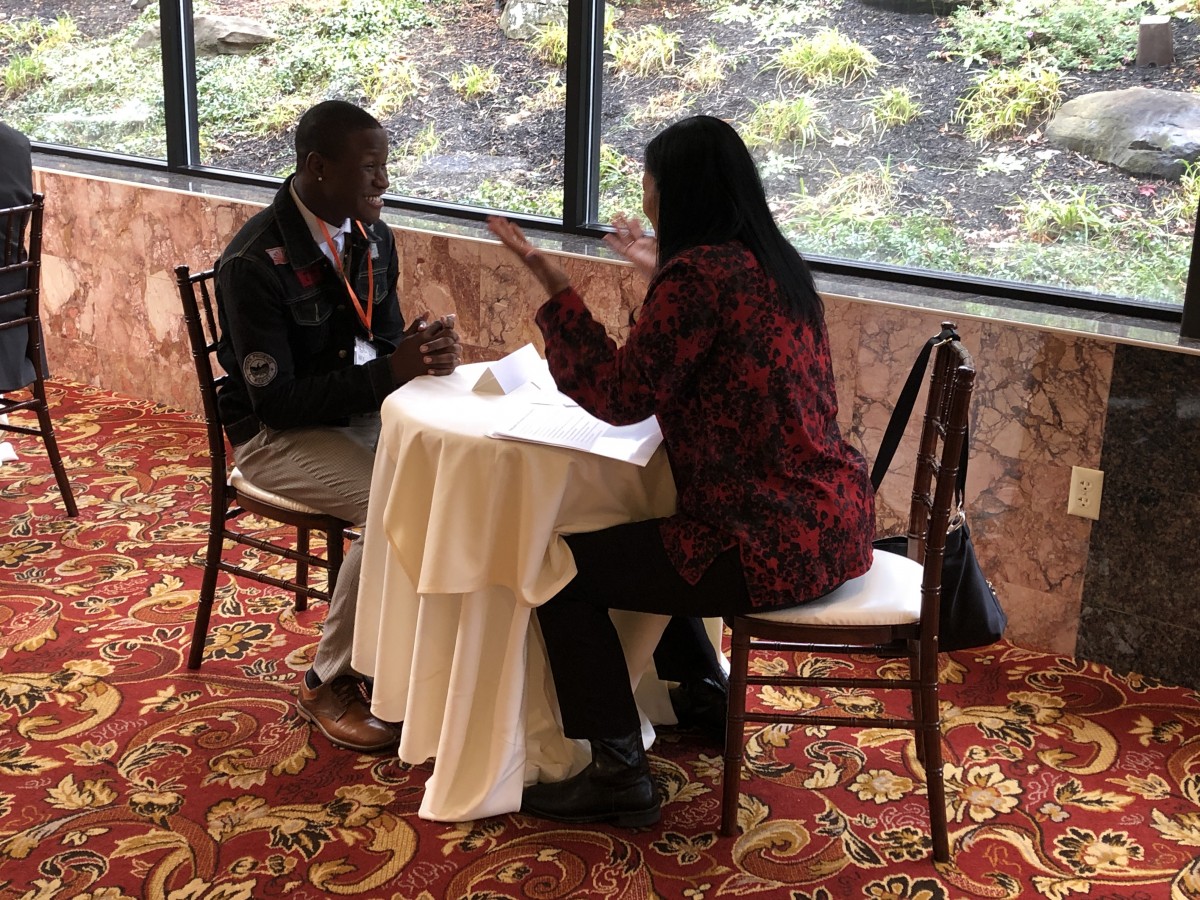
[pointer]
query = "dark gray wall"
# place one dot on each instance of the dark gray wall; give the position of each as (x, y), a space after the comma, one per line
(1141, 593)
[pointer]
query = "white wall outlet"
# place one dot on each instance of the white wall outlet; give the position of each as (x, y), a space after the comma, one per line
(1086, 487)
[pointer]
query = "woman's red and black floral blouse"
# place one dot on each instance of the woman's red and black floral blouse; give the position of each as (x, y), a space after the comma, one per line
(745, 396)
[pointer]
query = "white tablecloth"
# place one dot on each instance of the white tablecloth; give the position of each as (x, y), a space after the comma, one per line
(463, 539)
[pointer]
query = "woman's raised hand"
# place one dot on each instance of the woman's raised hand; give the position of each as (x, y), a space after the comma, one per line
(552, 278)
(635, 245)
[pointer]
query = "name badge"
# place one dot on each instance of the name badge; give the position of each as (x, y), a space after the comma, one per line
(364, 351)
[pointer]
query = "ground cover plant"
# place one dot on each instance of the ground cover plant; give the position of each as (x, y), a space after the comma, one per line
(910, 140)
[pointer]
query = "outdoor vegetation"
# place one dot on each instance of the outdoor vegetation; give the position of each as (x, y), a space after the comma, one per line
(910, 140)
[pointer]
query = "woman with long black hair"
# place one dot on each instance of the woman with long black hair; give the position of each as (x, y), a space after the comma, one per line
(730, 352)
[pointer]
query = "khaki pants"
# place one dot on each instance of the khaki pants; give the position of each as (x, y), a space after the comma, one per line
(328, 469)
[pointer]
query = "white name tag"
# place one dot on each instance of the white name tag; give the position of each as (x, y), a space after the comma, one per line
(364, 352)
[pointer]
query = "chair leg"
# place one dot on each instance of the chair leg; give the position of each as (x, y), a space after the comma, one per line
(930, 741)
(936, 789)
(913, 673)
(208, 586)
(735, 729)
(60, 471)
(301, 569)
(335, 552)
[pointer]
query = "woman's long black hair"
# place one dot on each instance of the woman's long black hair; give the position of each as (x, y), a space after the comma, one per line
(709, 192)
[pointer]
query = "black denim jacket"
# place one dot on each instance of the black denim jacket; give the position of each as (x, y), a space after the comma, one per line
(288, 325)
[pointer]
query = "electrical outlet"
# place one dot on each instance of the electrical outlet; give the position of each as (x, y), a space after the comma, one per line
(1086, 487)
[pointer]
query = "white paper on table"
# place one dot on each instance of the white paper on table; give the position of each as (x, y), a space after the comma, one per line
(507, 374)
(572, 427)
(541, 391)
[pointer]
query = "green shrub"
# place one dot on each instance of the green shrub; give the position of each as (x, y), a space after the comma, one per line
(868, 193)
(550, 44)
(506, 196)
(33, 34)
(895, 106)
(411, 153)
(551, 95)
(662, 107)
(1003, 101)
(778, 121)
(647, 51)
(474, 81)
(826, 57)
(708, 66)
(775, 20)
(22, 74)
(367, 19)
(1070, 213)
(1180, 205)
(1070, 34)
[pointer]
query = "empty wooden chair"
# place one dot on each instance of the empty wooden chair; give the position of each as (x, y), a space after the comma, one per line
(20, 312)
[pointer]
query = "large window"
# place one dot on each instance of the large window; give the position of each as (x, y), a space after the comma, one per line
(915, 141)
(83, 76)
(470, 110)
(907, 145)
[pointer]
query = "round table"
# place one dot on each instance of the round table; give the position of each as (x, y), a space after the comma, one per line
(463, 539)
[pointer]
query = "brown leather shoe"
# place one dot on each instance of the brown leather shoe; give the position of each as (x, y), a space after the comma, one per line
(339, 711)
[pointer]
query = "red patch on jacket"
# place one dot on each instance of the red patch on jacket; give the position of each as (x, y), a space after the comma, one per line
(308, 276)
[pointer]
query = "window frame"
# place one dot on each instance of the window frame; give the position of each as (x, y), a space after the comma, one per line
(585, 61)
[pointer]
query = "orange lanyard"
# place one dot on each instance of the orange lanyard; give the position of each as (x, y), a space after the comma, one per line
(364, 316)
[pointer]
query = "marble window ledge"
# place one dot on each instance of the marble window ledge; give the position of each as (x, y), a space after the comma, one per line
(955, 305)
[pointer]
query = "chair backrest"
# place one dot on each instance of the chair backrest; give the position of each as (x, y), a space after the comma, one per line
(196, 293)
(20, 272)
(936, 502)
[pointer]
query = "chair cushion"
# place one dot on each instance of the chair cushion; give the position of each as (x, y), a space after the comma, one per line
(888, 594)
(244, 486)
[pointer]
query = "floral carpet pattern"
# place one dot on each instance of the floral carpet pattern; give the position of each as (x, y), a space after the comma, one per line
(124, 775)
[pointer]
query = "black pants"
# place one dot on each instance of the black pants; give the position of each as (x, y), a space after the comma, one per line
(625, 567)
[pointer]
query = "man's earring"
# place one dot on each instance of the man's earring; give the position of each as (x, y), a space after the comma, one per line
(320, 178)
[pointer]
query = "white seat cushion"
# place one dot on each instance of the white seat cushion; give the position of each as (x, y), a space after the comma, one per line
(889, 594)
(244, 487)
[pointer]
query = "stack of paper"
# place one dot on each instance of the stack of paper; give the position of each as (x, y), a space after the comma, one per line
(544, 415)
(570, 426)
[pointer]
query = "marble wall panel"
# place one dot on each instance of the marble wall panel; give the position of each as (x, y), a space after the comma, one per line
(843, 321)
(113, 317)
(1039, 407)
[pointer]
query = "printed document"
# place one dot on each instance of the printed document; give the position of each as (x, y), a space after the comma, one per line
(572, 427)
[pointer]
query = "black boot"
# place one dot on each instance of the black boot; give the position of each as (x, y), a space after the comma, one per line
(615, 787)
(700, 705)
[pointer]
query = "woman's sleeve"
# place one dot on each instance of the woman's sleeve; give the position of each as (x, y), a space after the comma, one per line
(622, 385)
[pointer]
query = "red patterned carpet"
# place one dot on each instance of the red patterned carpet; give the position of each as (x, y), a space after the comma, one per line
(123, 775)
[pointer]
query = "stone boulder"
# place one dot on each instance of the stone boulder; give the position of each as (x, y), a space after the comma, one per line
(522, 19)
(219, 35)
(1145, 131)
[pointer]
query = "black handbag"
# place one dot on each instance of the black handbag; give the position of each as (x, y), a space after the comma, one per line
(971, 615)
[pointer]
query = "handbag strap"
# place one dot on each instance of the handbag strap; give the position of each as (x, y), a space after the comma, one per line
(903, 412)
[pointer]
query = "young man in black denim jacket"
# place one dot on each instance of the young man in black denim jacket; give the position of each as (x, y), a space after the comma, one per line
(314, 341)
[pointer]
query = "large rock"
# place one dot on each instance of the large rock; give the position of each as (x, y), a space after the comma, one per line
(219, 35)
(522, 19)
(1146, 131)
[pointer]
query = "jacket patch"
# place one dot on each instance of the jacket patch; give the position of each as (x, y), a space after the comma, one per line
(308, 276)
(277, 255)
(259, 369)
